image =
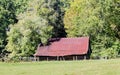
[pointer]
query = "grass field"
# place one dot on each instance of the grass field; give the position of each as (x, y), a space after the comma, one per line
(85, 67)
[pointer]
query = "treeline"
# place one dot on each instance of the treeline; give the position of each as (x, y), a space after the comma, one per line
(26, 23)
(98, 19)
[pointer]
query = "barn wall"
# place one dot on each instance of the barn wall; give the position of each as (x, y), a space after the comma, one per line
(70, 57)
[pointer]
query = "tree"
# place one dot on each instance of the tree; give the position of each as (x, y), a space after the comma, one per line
(9, 9)
(7, 16)
(51, 11)
(24, 36)
(93, 19)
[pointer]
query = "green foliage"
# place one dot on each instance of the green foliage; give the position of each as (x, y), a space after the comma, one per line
(8, 11)
(51, 11)
(7, 16)
(24, 37)
(94, 19)
(21, 5)
(65, 4)
(1, 46)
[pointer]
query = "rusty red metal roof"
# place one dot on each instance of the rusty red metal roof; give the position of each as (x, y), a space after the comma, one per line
(64, 47)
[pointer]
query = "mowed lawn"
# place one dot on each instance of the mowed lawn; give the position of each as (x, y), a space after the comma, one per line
(84, 67)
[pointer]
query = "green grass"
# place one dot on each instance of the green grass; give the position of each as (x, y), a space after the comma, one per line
(85, 67)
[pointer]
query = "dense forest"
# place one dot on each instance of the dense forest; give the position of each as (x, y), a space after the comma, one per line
(26, 23)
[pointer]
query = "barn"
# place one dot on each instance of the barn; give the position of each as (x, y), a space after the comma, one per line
(65, 49)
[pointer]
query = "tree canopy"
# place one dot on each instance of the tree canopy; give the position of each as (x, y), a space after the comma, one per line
(7, 17)
(95, 19)
(52, 12)
(24, 36)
